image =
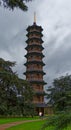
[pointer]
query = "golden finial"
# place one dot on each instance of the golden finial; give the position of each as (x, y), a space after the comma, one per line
(34, 17)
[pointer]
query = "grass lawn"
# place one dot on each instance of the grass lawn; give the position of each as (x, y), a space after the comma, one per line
(32, 126)
(28, 126)
(8, 120)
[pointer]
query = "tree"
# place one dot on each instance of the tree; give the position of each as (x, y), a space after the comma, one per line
(11, 4)
(59, 94)
(15, 94)
(60, 121)
(8, 83)
(60, 97)
(25, 98)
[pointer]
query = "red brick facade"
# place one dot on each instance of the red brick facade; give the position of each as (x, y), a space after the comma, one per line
(34, 64)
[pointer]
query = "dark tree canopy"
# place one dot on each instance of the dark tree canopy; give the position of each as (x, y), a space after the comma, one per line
(59, 95)
(16, 94)
(11, 4)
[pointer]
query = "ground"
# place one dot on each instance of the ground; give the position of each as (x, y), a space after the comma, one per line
(4, 126)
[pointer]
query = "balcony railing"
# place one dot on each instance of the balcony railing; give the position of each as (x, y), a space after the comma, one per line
(41, 104)
(34, 69)
(34, 30)
(33, 43)
(35, 79)
(39, 81)
(39, 36)
(34, 59)
(39, 92)
(36, 102)
(35, 50)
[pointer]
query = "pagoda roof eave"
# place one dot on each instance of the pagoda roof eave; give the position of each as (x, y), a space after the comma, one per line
(34, 62)
(34, 53)
(34, 26)
(38, 93)
(37, 81)
(34, 38)
(36, 32)
(35, 71)
(33, 45)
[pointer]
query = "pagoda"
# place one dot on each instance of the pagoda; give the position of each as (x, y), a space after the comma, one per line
(34, 64)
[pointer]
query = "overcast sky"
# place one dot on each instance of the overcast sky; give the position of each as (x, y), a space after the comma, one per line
(55, 18)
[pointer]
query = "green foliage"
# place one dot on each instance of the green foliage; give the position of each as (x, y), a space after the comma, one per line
(15, 94)
(59, 121)
(59, 94)
(7, 88)
(11, 4)
(25, 97)
(60, 98)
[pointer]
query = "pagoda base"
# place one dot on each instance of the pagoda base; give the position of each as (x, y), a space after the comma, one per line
(39, 107)
(44, 108)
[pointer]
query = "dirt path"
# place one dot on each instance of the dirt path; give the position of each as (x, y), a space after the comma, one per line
(4, 126)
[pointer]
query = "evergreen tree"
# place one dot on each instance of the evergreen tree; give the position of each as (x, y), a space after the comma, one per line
(15, 94)
(25, 98)
(59, 96)
(11, 4)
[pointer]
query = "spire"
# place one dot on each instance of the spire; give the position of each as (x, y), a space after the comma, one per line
(34, 17)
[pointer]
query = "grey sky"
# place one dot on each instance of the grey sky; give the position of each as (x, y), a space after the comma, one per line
(55, 18)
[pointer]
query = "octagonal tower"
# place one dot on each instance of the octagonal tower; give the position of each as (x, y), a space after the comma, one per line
(34, 64)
